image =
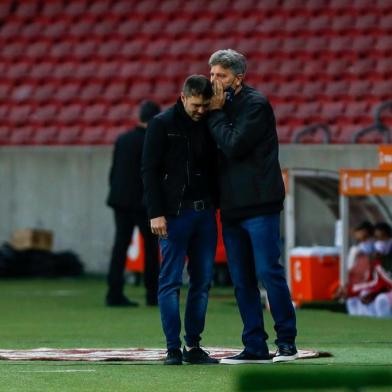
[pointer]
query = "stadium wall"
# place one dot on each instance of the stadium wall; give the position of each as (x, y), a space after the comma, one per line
(64, 189)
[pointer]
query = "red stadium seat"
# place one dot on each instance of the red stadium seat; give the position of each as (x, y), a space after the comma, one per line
(363, 67)
(19, 114)
(61, 50)
(115, 91)
(91, 91)
(336, 88)
(52, 9)
(130, 69)
(366, 22)
(67, 92)
(68, 135)
(11, 29)
(44, 92)
(5, 9)
(319, 23)
(147, 6)
(358, 109)
(69, 114)
(201, 25)
(17, 71)
(283, 111)
(92, 135)
(32, 30)
(85, 70)
(118, 113)
(109, 70)
(384, 65)
(22, 92)
(21, 135)
(40, 71)
(99, 7)
(343, 22)
(382, 89)
(64, 70)
(129, 27)
(76, 8)
(359, 88)
(14, 51)
(45, 135)
(94, 114)
(85, 50)
(37, 50)
(82, 28)
(27, 9)
(285, 133)
(105, 27)
(133, 49)
(139, 90)
(122, 7)
(45, 114)
(331, 110)
(363, 43)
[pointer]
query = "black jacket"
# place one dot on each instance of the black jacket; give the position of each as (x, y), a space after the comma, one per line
(250, 178)
(167, 160)
(126, 186)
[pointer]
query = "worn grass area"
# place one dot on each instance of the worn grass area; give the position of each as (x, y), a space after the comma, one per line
(70, 313)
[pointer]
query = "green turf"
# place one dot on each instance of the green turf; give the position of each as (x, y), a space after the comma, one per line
(70, 313)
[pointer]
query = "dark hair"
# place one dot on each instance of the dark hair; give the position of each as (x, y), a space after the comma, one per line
(384, 227)
(148, 109)
(365, 225)
(195, 85)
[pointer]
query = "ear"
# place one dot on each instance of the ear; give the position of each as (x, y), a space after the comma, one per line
(240, 78)
(183, 98)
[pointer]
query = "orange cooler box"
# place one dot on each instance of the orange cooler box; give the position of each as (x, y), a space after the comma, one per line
(314, 273)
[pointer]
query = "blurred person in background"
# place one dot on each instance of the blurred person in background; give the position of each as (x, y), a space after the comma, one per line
(179, 178)
(373, 296)
(125, 197)
(242, 122)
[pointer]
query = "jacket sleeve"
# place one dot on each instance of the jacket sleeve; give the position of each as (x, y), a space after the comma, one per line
(152, 163)
(250, 127)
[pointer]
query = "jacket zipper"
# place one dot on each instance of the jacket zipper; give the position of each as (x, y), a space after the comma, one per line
(179, 205)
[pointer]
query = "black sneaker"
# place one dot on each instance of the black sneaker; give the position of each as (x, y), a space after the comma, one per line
(246, 357)
(286, 352)
(197, 356)
(173, 357)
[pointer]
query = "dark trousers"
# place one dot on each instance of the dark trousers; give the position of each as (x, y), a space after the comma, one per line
(192, 233)
(253, 250)
(125, 223)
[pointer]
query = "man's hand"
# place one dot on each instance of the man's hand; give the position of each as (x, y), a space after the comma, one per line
(159, 226)
(219, 97)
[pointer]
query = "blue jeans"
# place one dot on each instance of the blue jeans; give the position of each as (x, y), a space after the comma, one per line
(253, 250)
(192, 233)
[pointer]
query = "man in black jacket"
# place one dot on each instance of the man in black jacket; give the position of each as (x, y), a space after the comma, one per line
(179, 182)
(242, 123)
(125, 197)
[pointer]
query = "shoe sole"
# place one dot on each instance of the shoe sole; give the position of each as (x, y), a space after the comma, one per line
(200, 363)
(285, 358)
(227, 361)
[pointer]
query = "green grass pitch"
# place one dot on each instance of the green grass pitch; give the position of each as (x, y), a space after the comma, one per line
(70, 314)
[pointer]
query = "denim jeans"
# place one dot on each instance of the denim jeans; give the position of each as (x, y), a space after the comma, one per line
(253, 250)
(192, 233)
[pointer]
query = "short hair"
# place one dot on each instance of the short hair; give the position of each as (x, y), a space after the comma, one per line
(148, 109)
(195, 85)
(367, 226)
(384, 227)
(229, 59)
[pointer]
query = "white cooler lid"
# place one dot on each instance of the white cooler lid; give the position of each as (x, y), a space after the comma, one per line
(315, 251)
